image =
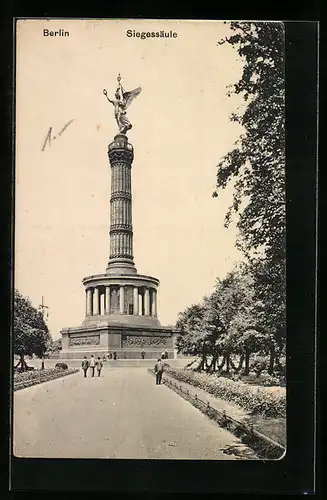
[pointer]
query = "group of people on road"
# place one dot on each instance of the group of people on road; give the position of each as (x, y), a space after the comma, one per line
(97, 364)
(93, 364)
(112, 356)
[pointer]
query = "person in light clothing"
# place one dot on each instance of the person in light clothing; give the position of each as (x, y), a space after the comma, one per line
(92, 365)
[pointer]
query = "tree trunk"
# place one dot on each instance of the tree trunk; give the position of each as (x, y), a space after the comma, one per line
(23, 363)
(231, 363)
(203, 362)
(239, 368)
(221, 366)
(213, 364)
(271, 361)
(228, 363)
(281, 368)
(247, 363)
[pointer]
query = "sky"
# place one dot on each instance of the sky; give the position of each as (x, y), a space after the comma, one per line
(181, 129)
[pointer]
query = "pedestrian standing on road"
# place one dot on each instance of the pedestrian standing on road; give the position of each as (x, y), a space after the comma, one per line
(143, 354)
(92, 365)
(85, 365)
(115, 355)
(158, 370)
(99, 366)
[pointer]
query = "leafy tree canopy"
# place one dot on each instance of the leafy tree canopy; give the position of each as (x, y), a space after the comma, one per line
(256, 165)
(31, 334)
(257, 161)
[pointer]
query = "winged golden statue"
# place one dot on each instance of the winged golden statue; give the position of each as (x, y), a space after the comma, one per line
(121, 102)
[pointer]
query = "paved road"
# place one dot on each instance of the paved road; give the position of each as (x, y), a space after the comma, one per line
(122, 414)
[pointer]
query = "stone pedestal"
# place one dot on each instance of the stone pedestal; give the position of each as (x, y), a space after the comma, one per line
(127, 342)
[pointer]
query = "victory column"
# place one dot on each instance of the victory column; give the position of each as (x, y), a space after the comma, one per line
(121, 305)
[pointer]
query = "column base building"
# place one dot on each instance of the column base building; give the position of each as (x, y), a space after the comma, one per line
(121, 305)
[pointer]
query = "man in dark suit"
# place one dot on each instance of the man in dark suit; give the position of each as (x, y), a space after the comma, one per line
(85, 365)
(158, 370)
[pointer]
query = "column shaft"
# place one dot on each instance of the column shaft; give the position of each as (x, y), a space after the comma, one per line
(121, 300)
(154, 303)
(141, 303)
(96, 301)
(136, 301)
(146, 302)
(91, 301)
(107, 300)
(89, 308)
(121, 233)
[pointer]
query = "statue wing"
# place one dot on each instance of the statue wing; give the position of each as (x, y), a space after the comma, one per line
(129, 96)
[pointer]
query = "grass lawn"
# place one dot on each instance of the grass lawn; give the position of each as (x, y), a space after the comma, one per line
(274, 428)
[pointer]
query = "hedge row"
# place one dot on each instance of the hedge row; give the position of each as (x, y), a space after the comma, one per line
(256, 401)
(27, 379)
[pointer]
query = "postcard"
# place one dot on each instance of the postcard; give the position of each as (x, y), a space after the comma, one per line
(150, 240)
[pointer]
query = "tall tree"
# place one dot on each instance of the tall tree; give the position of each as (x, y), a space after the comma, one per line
(55, 347)
(189, 325)
(31, 334)
(200, 327)
(257, 161)
(235, 299)
(256, 167)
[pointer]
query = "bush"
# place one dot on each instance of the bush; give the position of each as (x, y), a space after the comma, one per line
(258, 365)
(27, 379)
(280, 367)
(62, 366)
(269, 380)
(255, 400)
(28, 369)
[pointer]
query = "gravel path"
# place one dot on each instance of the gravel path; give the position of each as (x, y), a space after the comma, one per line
(122, 414)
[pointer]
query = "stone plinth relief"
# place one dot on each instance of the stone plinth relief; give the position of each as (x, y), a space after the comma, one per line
(133, 341)
(90, 340)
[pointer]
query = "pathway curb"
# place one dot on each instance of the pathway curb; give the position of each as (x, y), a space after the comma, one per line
(264, 447)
